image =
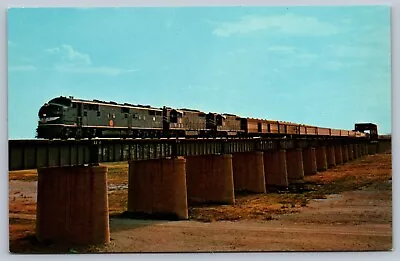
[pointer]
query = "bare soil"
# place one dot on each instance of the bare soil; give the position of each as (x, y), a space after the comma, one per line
(347, 208)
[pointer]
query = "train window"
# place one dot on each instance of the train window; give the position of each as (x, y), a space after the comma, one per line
(98, 113)
(85, 106)
(152, 113)
(124, 110)
(220, 121)
(173, 118)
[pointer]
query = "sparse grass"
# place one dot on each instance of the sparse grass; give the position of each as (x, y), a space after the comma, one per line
(23, 175)
(117, 173)
(373, 170)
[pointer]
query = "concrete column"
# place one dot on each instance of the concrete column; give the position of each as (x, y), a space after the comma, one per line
(372, 148)
(322, 163)
(72, 205)
(345, 153)
(275, 170)
(383, 146)
(356, 151)
(338, 155)
(331, 156)
(210, 179)
(365, 149)
(248, 171)
(351, 152)
(309, 161)
(294, 163)
(158, 187)
(362, 149)
(359, 151)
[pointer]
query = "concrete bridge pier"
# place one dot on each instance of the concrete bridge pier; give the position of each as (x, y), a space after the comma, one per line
(309, 161)
(248, 171)
(158, 187)
(365, 149)
(345, 153)
(350, 152)
(72, 205)
(330, 153)
(276, 177)
(356, 151)
(322, 163)
(361, 149)
(294, 164)
(209, 179)
(383, 146)
(372, 148)
(338, 155)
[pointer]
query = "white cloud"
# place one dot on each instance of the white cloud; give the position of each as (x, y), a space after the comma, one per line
(72, 61)
(21, 68)
(288, 23)
(69, 55)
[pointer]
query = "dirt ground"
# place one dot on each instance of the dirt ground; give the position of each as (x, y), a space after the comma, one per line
(347, 208)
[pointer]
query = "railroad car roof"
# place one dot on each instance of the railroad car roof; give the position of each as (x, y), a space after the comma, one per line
(111, 103)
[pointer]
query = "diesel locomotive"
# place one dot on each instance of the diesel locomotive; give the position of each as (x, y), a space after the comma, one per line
(67, 117)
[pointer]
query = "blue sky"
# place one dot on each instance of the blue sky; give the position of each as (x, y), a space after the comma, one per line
(324, 66)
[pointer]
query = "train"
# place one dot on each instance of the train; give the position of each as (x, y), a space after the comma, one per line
(67, 117)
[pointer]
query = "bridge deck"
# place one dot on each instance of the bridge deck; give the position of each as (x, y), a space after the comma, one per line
(31, 154)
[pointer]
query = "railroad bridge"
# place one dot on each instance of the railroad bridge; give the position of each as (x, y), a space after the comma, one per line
(166, 175)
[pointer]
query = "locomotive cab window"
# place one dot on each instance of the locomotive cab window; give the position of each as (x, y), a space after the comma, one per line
(61, 101)
(175, 116)
(220, 120)
(124, 110)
